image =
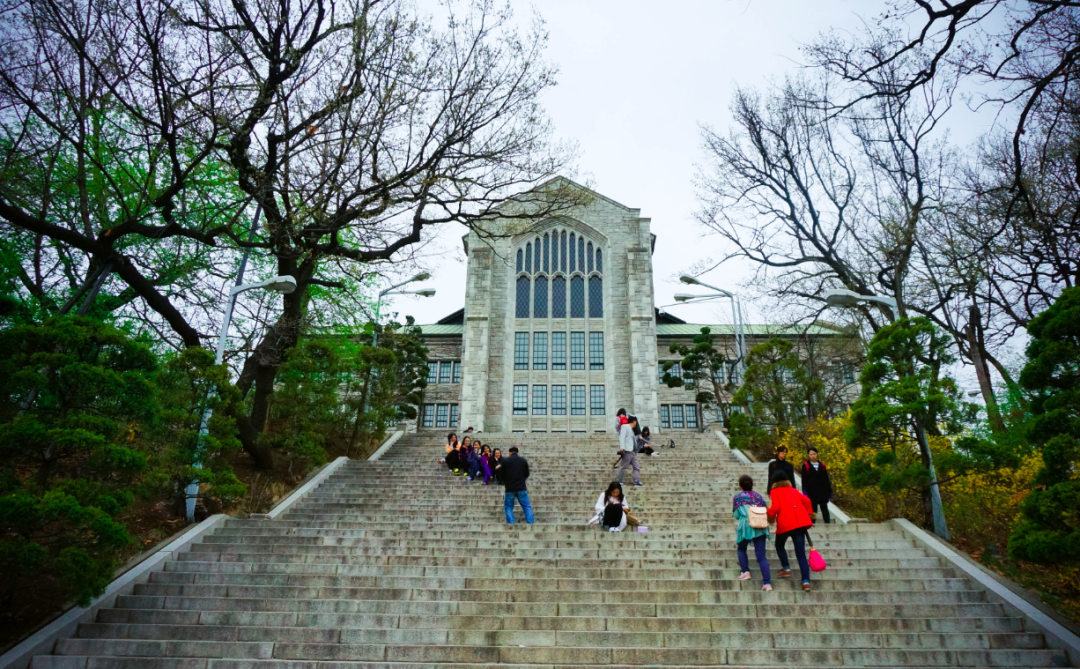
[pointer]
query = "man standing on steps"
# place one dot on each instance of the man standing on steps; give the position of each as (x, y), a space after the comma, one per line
(515, 469)
(627, 442)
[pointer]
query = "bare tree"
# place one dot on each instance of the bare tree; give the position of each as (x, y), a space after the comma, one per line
(355, 126)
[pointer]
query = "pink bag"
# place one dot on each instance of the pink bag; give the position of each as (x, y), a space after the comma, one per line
(817, 563)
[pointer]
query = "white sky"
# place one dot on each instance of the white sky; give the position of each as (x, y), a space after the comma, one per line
(636, 79)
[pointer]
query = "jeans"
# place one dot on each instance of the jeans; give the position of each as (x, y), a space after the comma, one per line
(759, 553)
(824, 509)
(508, 505)
(798, 538)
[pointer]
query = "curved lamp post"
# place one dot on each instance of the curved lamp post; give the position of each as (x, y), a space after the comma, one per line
(736, 314)
(280, 284)
(843, 298)
(392, 290)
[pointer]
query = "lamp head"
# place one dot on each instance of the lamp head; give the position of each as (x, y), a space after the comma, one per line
(426, 292)
(683, 297)
(282, 284)
(687, 279)
(841, 298)
(422, 276)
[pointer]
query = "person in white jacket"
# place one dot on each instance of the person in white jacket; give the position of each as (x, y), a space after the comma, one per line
(612, 497)
(627, 441)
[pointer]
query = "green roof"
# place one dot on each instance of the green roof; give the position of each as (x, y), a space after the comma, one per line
(678, 330)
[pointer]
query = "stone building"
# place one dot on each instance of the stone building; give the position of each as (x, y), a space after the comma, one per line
(559, 330)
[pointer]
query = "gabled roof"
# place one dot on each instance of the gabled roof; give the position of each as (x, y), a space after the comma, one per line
(456, 318)
(562, 179)
(663, 317)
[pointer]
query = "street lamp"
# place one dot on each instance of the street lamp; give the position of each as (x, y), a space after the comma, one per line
(842, 298)
(424, 292)
(736, 314)
(281, 284)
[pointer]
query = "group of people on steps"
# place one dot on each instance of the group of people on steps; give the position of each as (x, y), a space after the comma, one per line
(474, 460)
(792, 511)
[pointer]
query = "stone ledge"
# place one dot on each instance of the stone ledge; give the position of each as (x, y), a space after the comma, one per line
(301, 492)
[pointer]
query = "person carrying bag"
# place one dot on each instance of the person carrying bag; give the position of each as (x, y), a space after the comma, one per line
(752, 526)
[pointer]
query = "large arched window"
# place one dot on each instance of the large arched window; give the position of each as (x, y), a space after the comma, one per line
(540, 297)
(523, 297)
(558, 297)
(596, 297)
(577, 297)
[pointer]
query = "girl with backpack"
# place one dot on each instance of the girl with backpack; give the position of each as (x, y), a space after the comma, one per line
(753, 527)
(816, 484)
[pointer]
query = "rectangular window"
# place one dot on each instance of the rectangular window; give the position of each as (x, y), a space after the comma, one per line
(577, 350)
(444, 371)
(521, 350)
(558, 400)
(521, 400)
(558, 350)
(691, 416)
(577, 400)
(675, 371)
(454, 413)
(441, 414)
(676, 416)
(665, 416)
(539, 400)
(596, 350)
(433, 372)
(540, 350)
(457, 372)
(429, 415)
(596, 401)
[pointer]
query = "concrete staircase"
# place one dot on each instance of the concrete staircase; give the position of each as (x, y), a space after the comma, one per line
(395, 564)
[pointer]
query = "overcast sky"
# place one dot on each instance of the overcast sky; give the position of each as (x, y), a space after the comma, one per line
(635, 83)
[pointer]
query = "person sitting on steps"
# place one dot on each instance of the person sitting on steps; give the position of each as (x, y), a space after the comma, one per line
(485, 463)
(643, 442)
(464, 457)
(495, 464)
(611, 509)
(451, 459)
(627, 442)
(791, 510)
(746, 535)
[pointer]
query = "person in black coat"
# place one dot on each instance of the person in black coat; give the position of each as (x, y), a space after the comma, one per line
(781, 464)
(515, 471)
(816, 484)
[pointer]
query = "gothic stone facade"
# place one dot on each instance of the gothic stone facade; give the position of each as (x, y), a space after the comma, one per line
(559, 330)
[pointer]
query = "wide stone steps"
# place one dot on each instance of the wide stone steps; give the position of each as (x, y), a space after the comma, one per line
(397, 564)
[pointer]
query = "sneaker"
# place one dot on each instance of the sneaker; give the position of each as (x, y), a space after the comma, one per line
(655, 454)
(745, 576)
(639, 484)
(766, 588)
(806, 586)
(785, 573)
(613, 529)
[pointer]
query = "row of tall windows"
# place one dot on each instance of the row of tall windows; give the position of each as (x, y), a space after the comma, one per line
(678, 416)
(444, 371)
(558, 407)
(540, 359)
(439, 415)
(549, 254)
(538, 290)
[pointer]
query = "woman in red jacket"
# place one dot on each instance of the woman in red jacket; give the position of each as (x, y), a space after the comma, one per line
(792, 512)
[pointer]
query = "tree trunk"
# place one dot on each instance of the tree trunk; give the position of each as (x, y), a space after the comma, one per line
(975, 349)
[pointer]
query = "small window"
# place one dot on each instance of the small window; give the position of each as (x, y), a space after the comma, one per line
(519, 260)
(457, 372)
(599, 260)
(433, 372)
(577, 350)
(523, 291)
(596, 297)
(558, 297)
(562, 251)
(691, 416)
(429, 415)
(539, 400)
(581, 254)
(442, 415)
(547, 241)
(540, 350)
(528, 258)
(577, 297)
(521, 400)
(558, 350)
(521, 350)
(454, 413)
(577, 400)
(573, 252)
(665, 416)
(596, 350)
(590, 255)
(676, 416)
(540, 297)
(596, 401)
(558, 400)
(444, 371)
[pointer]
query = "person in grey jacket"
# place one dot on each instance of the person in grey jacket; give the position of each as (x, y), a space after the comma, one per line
(627, 442)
